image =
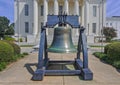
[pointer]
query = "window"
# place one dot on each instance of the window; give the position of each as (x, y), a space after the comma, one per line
(26, 10)
(94, 11)
(42, 10)
(94, 27)
(42, 24)
(110, 24)
(60, 9)
(106, 24)
(79, 10)
(26, 27)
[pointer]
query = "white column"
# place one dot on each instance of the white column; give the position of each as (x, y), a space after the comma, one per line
(45, 11)
(66, 6)
(76, 7)
(83, 12)
(35, 28)
(56, 7)
(76, 12)
(17, 25)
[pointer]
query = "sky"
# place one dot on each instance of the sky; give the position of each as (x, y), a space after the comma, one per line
(7, 8)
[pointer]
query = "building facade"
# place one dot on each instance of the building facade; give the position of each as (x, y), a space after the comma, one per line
(31, 14)
(115, 23)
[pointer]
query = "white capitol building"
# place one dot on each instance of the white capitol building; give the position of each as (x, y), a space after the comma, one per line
(31, 14)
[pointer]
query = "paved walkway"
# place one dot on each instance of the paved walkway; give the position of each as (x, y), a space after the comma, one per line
(19, 73)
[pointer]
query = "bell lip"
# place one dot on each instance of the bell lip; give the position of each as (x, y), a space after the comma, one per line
(60, 51)
(63, 27)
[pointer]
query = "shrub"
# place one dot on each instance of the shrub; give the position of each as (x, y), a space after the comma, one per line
(15, 47)
(2, 65)
(116, 64)
(8, 38)
(6, 52)
(16, 57)
(20, 56)
(9, 52)
(114, 51)
(109, 33)
(105, 58)
(100, 55)
(25, 53)
(21, 40)
(97, 54)
(106, 48)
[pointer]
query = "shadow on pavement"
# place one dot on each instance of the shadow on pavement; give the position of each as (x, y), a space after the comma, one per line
(29, 67)
(118, 70)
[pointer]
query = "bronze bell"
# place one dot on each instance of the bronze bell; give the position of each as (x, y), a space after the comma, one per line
(62, 41)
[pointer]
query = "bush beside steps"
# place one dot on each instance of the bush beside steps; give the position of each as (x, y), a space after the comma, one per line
(111, 54)
(9, 52)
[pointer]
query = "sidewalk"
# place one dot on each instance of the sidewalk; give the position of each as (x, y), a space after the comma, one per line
(18, 74)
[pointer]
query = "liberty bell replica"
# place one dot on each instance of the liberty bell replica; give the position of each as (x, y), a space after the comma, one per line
(62, 41)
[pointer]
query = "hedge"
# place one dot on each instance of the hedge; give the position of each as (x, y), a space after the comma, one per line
(16, 48)
(113, 51)
(111, 54)
(106, 48)
(105, 58)
(9, 52)
(6, 52)
(2, 65)
(100, 55)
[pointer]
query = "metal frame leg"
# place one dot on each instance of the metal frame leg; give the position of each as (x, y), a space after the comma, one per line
(79, 46)
(39, 73)
(86, 72)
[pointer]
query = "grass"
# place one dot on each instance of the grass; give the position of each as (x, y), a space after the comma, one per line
(26, 45)
(96, 46)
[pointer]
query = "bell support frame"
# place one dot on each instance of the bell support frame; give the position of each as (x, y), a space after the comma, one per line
(43, 60)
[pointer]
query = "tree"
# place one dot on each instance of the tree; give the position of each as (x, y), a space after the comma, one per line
(109, 33)
(10, 31)
(5, 27)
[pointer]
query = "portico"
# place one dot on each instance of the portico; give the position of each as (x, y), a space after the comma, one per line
(30, 15)
(70, 7)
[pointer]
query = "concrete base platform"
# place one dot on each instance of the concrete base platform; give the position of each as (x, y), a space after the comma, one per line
(21, 72)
